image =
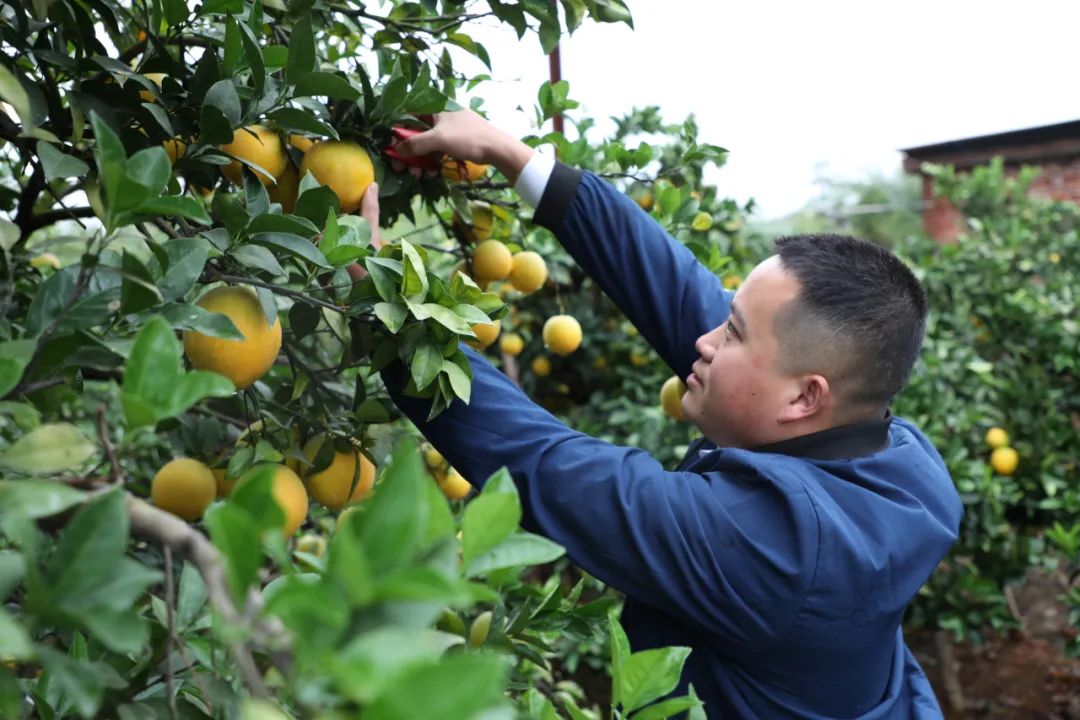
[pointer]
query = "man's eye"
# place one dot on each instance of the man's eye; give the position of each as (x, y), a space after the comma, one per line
(729, 330)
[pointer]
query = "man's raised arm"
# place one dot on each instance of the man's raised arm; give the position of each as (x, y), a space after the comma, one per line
(657, 282)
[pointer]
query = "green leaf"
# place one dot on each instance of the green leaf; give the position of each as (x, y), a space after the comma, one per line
(12, 91)
(392, 316)
(15, 355)
(137, 289)
(650, 674)
(666, 709)
(414, 283)
(393, 521)
(620, 650)
(316, 613)
(59, 165)
(272, 222)
(12, 572)
(222, 7)
(257, 257)
(254, 57)
(176, 11)
(255, 494)
(303, 121)
(365, 667)
(314, 203)
(488, 521)
(191, 596)
(222, 97)
(426, 364)
(183, 316)
(301, 50)
(79, 681)
(325, 84)
(49, 449)
(150, 167)
(187, 259)
(518, 550)
(459, 381)
(15, 642)
(155, 386)
(294, 245)
(176, 206)
(458, 687)
(234, 532)
(37, 499)
(90, 549)
(442, 315)
(122, 632)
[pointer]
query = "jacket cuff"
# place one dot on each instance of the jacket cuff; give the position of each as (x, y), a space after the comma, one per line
(558, 195)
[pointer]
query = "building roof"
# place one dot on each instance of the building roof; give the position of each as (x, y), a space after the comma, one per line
(1031, 145)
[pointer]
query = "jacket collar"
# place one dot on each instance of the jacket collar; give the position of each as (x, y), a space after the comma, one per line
(838, 443)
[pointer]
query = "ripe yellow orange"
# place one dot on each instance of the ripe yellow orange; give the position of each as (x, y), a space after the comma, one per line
(529, 271)
(330, 487)
(312, 544)
(301, 142)
(344, 514)
(997, 437)
(344, 167)
(45, 259)
(184, 487)
(1004, 460)
(289, 494)
(483, 223)
(433, 458)
(223, 484)
(259, 145)
(242, 361)
(671, 393)
(453, 485)
(156, 78)
(462, 170)
(485, 335)
(541, 366)
(512, 344)
(645, 200)
(732, 282)
(562, 334)
(175, 149)
(639, 359)
(286, 190)
(491, 261)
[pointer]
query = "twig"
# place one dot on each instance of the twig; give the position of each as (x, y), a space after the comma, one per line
(949, 672)
(170, 598)
(149, 522)
(35, 386)
(116, 477)
(220, 416)
(287, 292)
(34, 185)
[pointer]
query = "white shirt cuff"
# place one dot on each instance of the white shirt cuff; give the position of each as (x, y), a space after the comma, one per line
(535, 175)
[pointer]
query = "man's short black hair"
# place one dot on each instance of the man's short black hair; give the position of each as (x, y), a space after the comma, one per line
(859, 318)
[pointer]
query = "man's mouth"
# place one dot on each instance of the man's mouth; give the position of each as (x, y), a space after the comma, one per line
(694, 376)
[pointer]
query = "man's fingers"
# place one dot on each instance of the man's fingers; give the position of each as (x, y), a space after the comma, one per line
(369, 210)
(421, 144)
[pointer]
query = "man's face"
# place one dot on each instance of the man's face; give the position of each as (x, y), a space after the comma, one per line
(736, 393)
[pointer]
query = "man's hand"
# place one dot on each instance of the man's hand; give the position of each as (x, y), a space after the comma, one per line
(369, 210)
(464, 135)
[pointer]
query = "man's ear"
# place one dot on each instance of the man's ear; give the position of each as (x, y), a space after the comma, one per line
(812, 397)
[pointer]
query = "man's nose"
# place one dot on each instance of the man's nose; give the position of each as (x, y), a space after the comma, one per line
(706, 347)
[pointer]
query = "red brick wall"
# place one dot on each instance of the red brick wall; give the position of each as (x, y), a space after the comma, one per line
(942, 220)
(1056, 180)
(1059, 180)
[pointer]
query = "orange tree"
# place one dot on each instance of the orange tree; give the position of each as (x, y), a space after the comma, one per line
(207, 508)
(1002, 352)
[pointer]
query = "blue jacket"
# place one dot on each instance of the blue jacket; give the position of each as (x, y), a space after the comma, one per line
(785, 568)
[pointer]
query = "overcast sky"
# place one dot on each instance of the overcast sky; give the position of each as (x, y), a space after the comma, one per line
(796, 89)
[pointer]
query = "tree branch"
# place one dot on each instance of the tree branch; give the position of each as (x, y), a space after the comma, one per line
(170, 598)
(116, 477)
(151, 523)
(287, 292)
(36, 222)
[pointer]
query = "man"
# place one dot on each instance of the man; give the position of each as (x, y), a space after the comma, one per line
(788, 543)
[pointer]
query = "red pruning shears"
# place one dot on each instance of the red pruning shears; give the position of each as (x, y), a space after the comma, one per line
(431, 162)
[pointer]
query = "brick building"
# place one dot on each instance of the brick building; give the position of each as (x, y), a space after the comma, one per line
(1055, 149)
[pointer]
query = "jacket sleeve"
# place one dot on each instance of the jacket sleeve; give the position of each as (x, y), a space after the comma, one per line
(655, 280)
(732, 553)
